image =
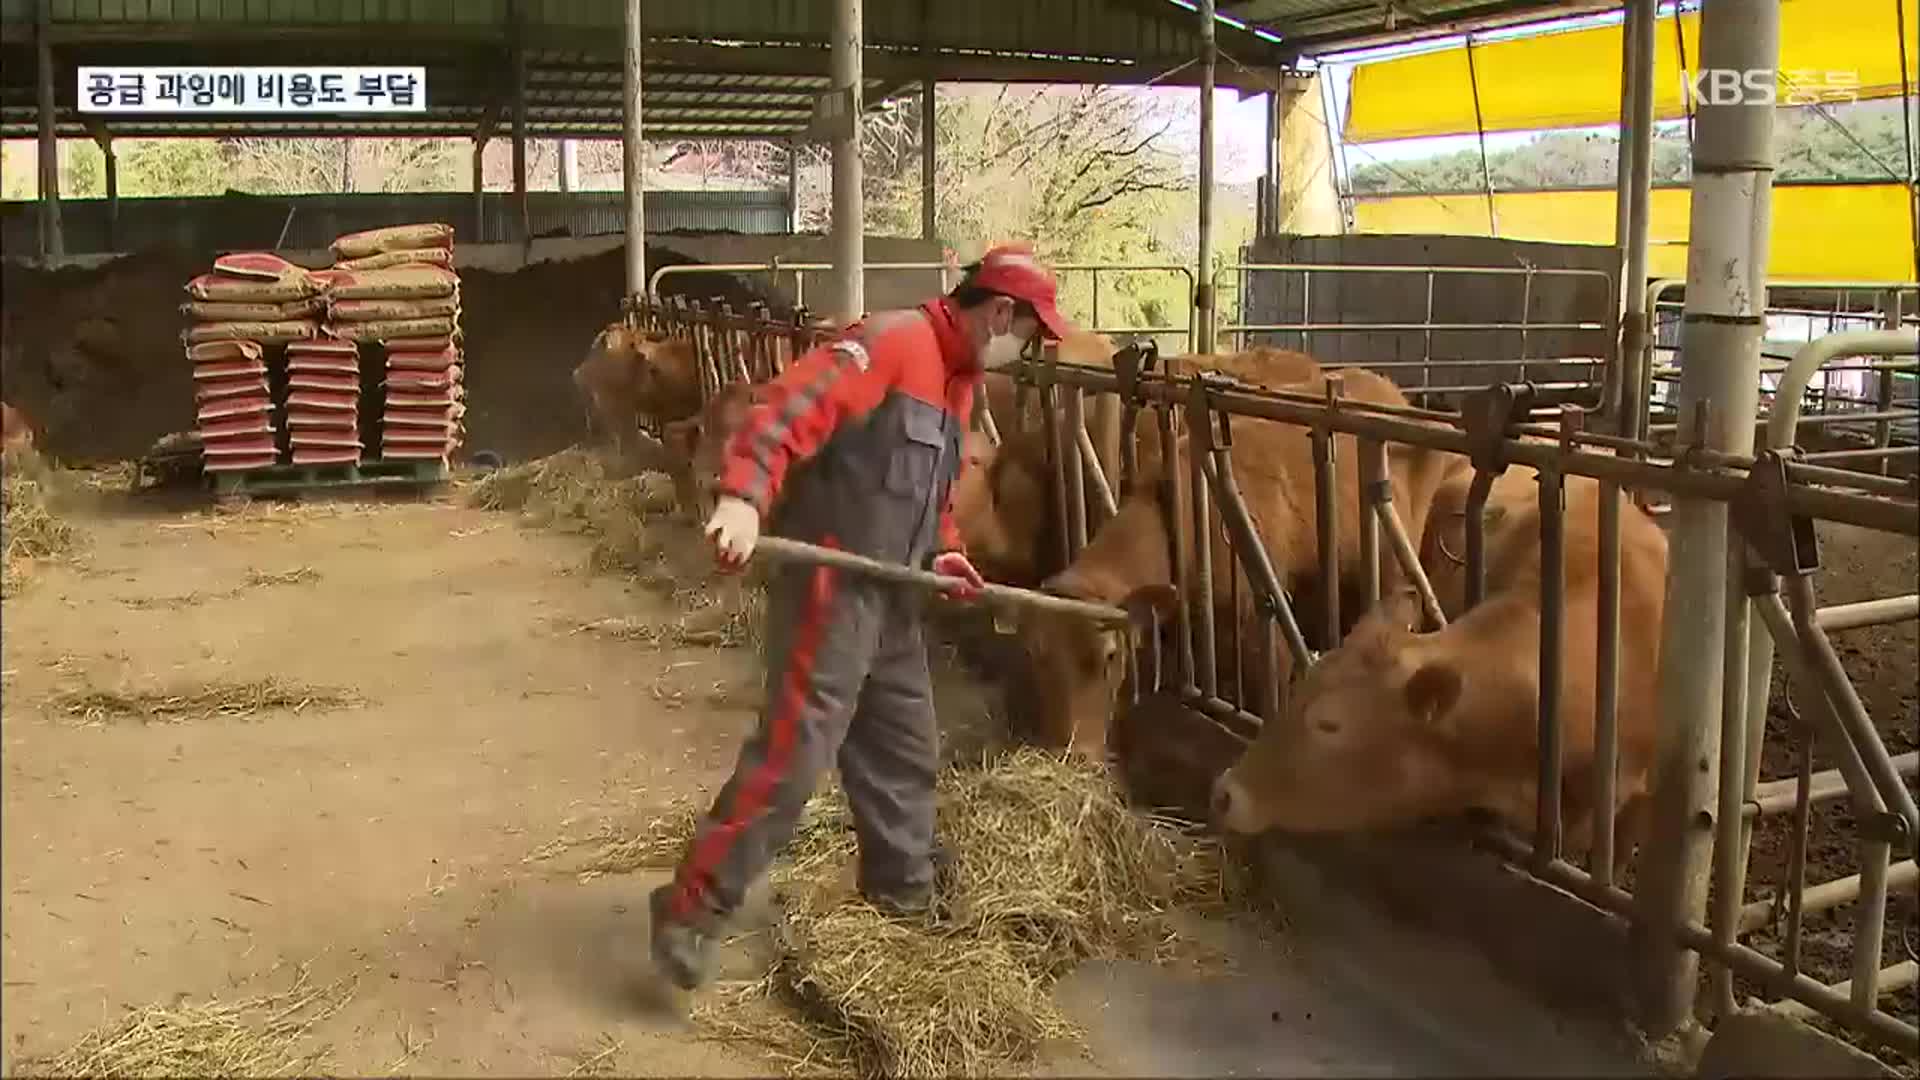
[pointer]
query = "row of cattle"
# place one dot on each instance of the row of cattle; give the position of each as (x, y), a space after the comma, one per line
(1398, 721)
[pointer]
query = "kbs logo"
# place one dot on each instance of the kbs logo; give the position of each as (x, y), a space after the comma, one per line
(1726, 86)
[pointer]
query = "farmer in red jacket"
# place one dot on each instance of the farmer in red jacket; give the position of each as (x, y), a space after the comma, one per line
(856, 446)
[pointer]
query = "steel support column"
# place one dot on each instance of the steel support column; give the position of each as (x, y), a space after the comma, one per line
(1720, 369)
(929, 141)
(849, 206)
(1635, 196)
(633, 154)
(104, 139)
(53, 242)
(480, 189)
(1203, 310)
(522, 218)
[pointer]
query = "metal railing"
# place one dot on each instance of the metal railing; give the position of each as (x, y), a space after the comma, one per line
(1774, 498)
(1523, 329)
(1881, 419)
(1876, 784)
(948, 273)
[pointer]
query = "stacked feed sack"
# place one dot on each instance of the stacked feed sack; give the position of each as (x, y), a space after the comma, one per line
(323, 401)
(254, 296)
(249, 301)
(425, 400)
(396, 288)
(233, 405)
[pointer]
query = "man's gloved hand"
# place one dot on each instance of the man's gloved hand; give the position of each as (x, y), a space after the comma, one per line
(956, 565)
(734, 528)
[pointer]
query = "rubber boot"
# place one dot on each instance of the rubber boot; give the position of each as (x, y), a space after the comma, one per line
(682, 949)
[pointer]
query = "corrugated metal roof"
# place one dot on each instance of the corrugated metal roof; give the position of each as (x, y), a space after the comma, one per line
(1317, 26)
(723, 67)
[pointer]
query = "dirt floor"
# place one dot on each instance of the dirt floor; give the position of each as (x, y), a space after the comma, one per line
(461, 721)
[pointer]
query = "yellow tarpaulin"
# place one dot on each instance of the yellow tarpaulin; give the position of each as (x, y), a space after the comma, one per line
(1834, 48)
(1824, 232)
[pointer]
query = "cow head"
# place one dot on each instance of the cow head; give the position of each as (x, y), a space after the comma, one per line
(1080, 667)
(1363, 741)
(1001, 505)
(701, 440)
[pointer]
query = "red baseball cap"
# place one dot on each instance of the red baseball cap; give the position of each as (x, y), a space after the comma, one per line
(1011, 270)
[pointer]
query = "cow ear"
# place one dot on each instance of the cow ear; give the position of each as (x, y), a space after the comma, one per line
(1433, 691)
(1150, 605)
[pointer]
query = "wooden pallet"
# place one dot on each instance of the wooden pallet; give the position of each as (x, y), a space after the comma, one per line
(293, 479)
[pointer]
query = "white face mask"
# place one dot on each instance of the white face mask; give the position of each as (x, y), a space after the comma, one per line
(1002, 351)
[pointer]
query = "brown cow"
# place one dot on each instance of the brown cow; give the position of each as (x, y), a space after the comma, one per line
(693, 445)
(16, 431)
(1397, 726)
(1004, 502)
(1080, 666)
(630, 379)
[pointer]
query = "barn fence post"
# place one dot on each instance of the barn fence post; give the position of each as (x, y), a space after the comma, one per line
(1723, 323)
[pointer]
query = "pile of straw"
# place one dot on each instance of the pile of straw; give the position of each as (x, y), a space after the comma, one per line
(262, 1036)
(31, 529)
(1049, 868)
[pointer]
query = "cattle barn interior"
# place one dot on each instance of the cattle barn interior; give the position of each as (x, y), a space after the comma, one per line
(1556, 482)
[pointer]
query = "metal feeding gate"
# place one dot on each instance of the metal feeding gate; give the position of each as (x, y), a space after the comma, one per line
(1774, 498)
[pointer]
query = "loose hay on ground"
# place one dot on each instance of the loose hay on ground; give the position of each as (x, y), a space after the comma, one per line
(31, 528)
(1049, 868)
(260, 1036)
(627, 518)
(203, 702)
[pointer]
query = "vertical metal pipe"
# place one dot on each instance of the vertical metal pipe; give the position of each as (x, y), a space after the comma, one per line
(1374, 489)
(1476, 529)
(1170, 511)
(568, 175)
(1426, 344)
(53, 242)
(633, 148)
(793, 192)
(479, 189)
(1203, 299)
(521, 214)
(1796, 883)
(1870, 923)
(1891, 309)
(1623, 160)
(1206, 669)
(1636, 350)
(1326, 512)
(929, 131)
(1726, 298)
(1729, 880)
(849, 206)
(1547, 823)
(1056, 469)
(1606, 706)
(113, 194)
(1072, 472)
